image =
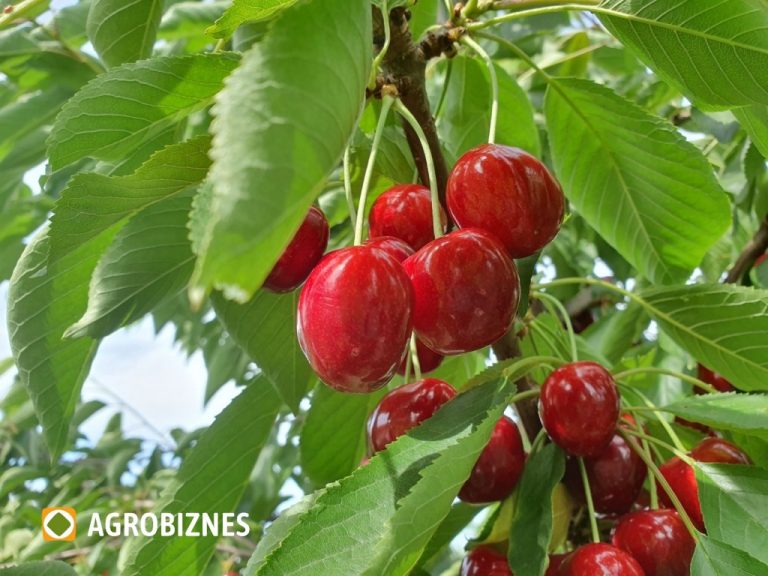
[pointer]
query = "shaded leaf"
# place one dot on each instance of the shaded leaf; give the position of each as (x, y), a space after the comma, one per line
(123, 31)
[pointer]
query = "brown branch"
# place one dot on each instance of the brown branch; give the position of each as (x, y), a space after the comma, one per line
(751, 252)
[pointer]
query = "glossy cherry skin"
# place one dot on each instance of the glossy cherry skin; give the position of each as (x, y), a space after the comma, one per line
(466, 291)
(429, 360)
(555, 562)
(404, 408)
(301, 255)
(579, 408)
(485, 561)
(395, 247)
(509, 193)
(616, 476)
(658, 540)
(499, 467)
(682, 478)
(600, 560)
(713, 378)
(405, 212)
(355, 317)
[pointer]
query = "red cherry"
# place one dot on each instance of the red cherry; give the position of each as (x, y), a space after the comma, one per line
(355, 318)
(395, 247)
(301, 255)
(555, 562)
(405, 212)
(509, 193)
(616, 476)
(466, 291)
(485, 561)
(579, 408)
(600, 560)
(713, 378)
(499, 467)
(428, 359)
(717, 450)
(658, 540)
(405, 408)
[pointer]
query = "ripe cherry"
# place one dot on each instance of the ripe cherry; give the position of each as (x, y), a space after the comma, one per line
(466, 291)
(579, 407)
(301, 255)
(600, 560)
(713, 378)
(429, 360)
(355, 318)
(509, 193)
(616, 476)
(405, 212)
(404, 408)
(499, 467)
(658, 540)
(395, 247)
(682, 478)
(555, 562)
(485, 561)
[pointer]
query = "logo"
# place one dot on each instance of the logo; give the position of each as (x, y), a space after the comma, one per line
(59, 524)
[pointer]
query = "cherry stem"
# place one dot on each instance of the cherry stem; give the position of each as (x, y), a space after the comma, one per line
(437, 223)
(538, 441)
(385, 48)
(408, 364)
(590, 502)
(659, 442)
(550, 300)
(19, 11)
(386, 103)
(348, 185)
(220, 45)
(663, 482)
(657, 413)
(494, 84)
(569, 7)
(647, 449)
(653, 370)
(415, 357)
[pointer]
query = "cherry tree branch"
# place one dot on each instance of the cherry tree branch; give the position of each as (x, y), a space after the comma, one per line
(751, 252)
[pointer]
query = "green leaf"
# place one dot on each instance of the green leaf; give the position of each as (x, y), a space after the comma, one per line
(27, 115)
(465, 121)
(333, 438)
(40, 569)
(714, 558)
(754, 119)
(93, 202)
(455, 521)
(44, 300)
(188, 20)
(531, 528)
(408, 486)
(118, 111)
(149, 261)
(123, 31)
(423, 15)
(635, 179)
(300, 89)
(718, 55)
(747, 413)
(733, 501)
(247, 11)
(212, 479)
(265, 327)
(724, 327)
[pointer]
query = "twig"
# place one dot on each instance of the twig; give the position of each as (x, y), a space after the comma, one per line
(751, 252)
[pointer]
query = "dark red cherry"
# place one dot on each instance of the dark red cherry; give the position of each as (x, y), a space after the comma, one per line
(509, 193)
(405, 212)
(466, 291)
(396, 248)
(499, 467)
(717, 450)
(579, 407)
(428, 359)
(714, 379)
(555, 562)
(682, 478)
(658, 540)
(405, 408)
(355, 318)
(485, 561)
(600, 560)
(301, 255)
(616, 476)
